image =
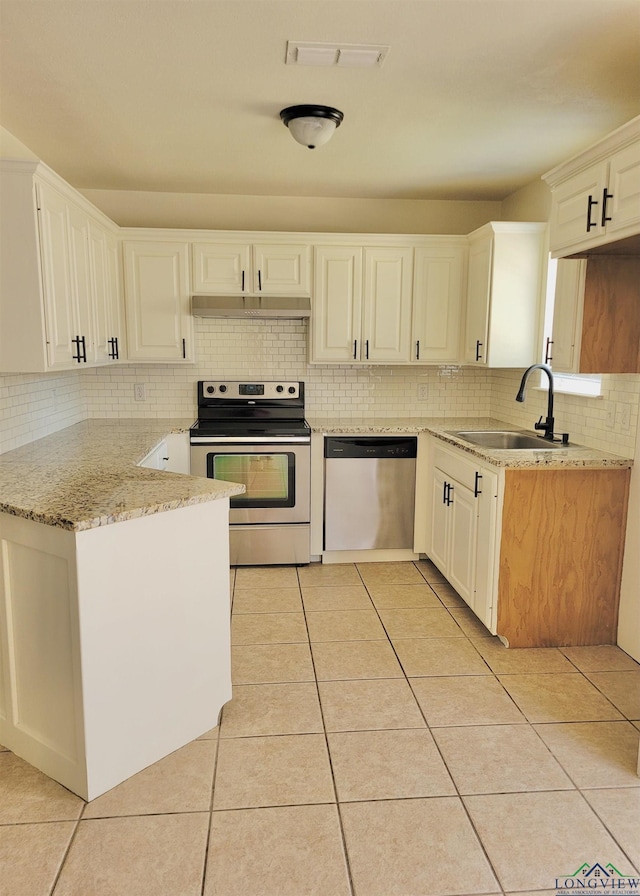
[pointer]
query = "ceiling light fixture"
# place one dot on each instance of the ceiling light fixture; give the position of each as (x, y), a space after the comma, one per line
(312, 125)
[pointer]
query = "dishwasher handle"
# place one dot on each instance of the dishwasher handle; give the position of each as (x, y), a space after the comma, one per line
(336, 447)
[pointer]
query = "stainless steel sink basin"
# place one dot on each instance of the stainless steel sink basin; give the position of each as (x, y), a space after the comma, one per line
(508, 440)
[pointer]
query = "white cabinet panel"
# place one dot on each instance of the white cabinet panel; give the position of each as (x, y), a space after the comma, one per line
(437, 304)
(362, 304)
(234, 268)
(159, 323)
(563, 349)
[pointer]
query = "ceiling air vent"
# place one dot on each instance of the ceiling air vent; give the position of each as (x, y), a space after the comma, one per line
(346, 55)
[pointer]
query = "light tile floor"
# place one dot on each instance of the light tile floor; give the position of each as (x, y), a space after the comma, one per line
(379, 743)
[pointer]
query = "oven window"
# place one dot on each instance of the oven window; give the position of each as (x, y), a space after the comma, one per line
(268, 478)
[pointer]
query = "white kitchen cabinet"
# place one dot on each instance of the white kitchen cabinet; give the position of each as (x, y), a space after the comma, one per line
(438, 281)
(595, 196)
(236, 268)
(504, 293)
(171, 454)
(68, 313)
(463, 499)
(562, 349)
(157, 301)
(114, 641)
(362, 304)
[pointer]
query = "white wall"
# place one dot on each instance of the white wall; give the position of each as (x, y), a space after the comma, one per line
(33, 406)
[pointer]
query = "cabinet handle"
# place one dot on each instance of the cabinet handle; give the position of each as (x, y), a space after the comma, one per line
(476, 486)
(184, 348)
(259, 281)
(117, 357)
(444, 492)
(590, 203)
(478, 352)
(366, 349)
(449, 494)
(355, 349)
(243, 281)
(548, 357)
(605, 196)
(77, 357)
(417, 350)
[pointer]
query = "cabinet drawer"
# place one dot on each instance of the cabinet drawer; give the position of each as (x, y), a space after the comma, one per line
(458, 468)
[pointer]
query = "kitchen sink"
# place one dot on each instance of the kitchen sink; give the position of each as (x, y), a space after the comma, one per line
(508, 440)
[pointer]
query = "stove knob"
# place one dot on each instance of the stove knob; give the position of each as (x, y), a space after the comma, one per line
(223, 388)
(292, 390)
(210, 390)
(279, 388)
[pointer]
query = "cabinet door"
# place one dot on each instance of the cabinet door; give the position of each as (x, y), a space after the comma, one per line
(387, 307)
(337, 304)
(440, 522)
(117, 349)
(157, 301)
(478, 298)
(101, 290)
(624, 186)
(80, 265)
(571, 210)
(463, 510)
(56, 277)
(222, 268)
(563, 352)
(437, 301)
(281, 270)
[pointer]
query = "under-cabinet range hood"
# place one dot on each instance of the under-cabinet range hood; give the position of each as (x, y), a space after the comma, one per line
(292, 307)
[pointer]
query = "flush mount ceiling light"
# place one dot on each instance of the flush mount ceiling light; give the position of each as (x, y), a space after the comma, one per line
(312, 125)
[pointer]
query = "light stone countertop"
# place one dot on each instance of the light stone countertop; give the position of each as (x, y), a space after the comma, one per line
(86, 476)
(577, 456)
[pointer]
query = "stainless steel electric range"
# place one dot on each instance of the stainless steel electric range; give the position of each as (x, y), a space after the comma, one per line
(255, 434)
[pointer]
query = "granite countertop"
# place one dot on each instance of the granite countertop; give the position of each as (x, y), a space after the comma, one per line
(86, 476)
(442, 427)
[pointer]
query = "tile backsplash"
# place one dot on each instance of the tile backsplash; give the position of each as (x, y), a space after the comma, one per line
(32, 406)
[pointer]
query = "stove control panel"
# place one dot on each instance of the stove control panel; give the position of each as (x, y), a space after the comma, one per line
(250, 390)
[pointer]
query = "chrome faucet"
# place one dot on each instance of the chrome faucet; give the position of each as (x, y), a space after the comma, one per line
(548, 424)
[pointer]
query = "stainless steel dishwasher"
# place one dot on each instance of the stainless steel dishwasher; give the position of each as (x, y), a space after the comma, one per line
(369, 494)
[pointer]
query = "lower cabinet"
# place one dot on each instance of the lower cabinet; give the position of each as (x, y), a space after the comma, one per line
(114, 641)
(462, 528)
(536, 553)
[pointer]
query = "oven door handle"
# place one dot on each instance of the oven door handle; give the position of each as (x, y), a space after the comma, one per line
(250, 440)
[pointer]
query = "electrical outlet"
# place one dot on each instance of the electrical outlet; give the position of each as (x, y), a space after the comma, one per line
(423, 392)
(624, 416)
(610, 416)
(140, 392)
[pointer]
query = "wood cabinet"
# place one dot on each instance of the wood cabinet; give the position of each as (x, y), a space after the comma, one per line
(58, 256)
(537, 555)
(238, 268)
(596, 320)
(362, 304)
(504, 294)
(595, 197)
(157, 301)
(438, 282)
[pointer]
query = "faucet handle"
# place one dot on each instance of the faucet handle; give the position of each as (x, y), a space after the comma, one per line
(540, 424)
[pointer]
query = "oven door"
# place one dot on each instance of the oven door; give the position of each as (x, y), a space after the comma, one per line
(276, 476)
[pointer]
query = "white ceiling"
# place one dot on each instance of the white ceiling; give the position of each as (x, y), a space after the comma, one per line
(475, 99)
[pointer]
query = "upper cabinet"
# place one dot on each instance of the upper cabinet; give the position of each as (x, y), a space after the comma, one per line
(595, 197)
(236, 268)
(438, 285)
(562, 349)
(60, 287)
(504, 285)
(362, 304)
(156, 280)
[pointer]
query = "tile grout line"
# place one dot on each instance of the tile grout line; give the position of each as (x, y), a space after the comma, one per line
(326, 740)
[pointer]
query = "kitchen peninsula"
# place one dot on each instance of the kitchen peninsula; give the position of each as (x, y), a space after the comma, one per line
(114, 603)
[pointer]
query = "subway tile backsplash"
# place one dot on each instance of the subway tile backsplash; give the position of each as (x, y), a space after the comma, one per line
(34, 406)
